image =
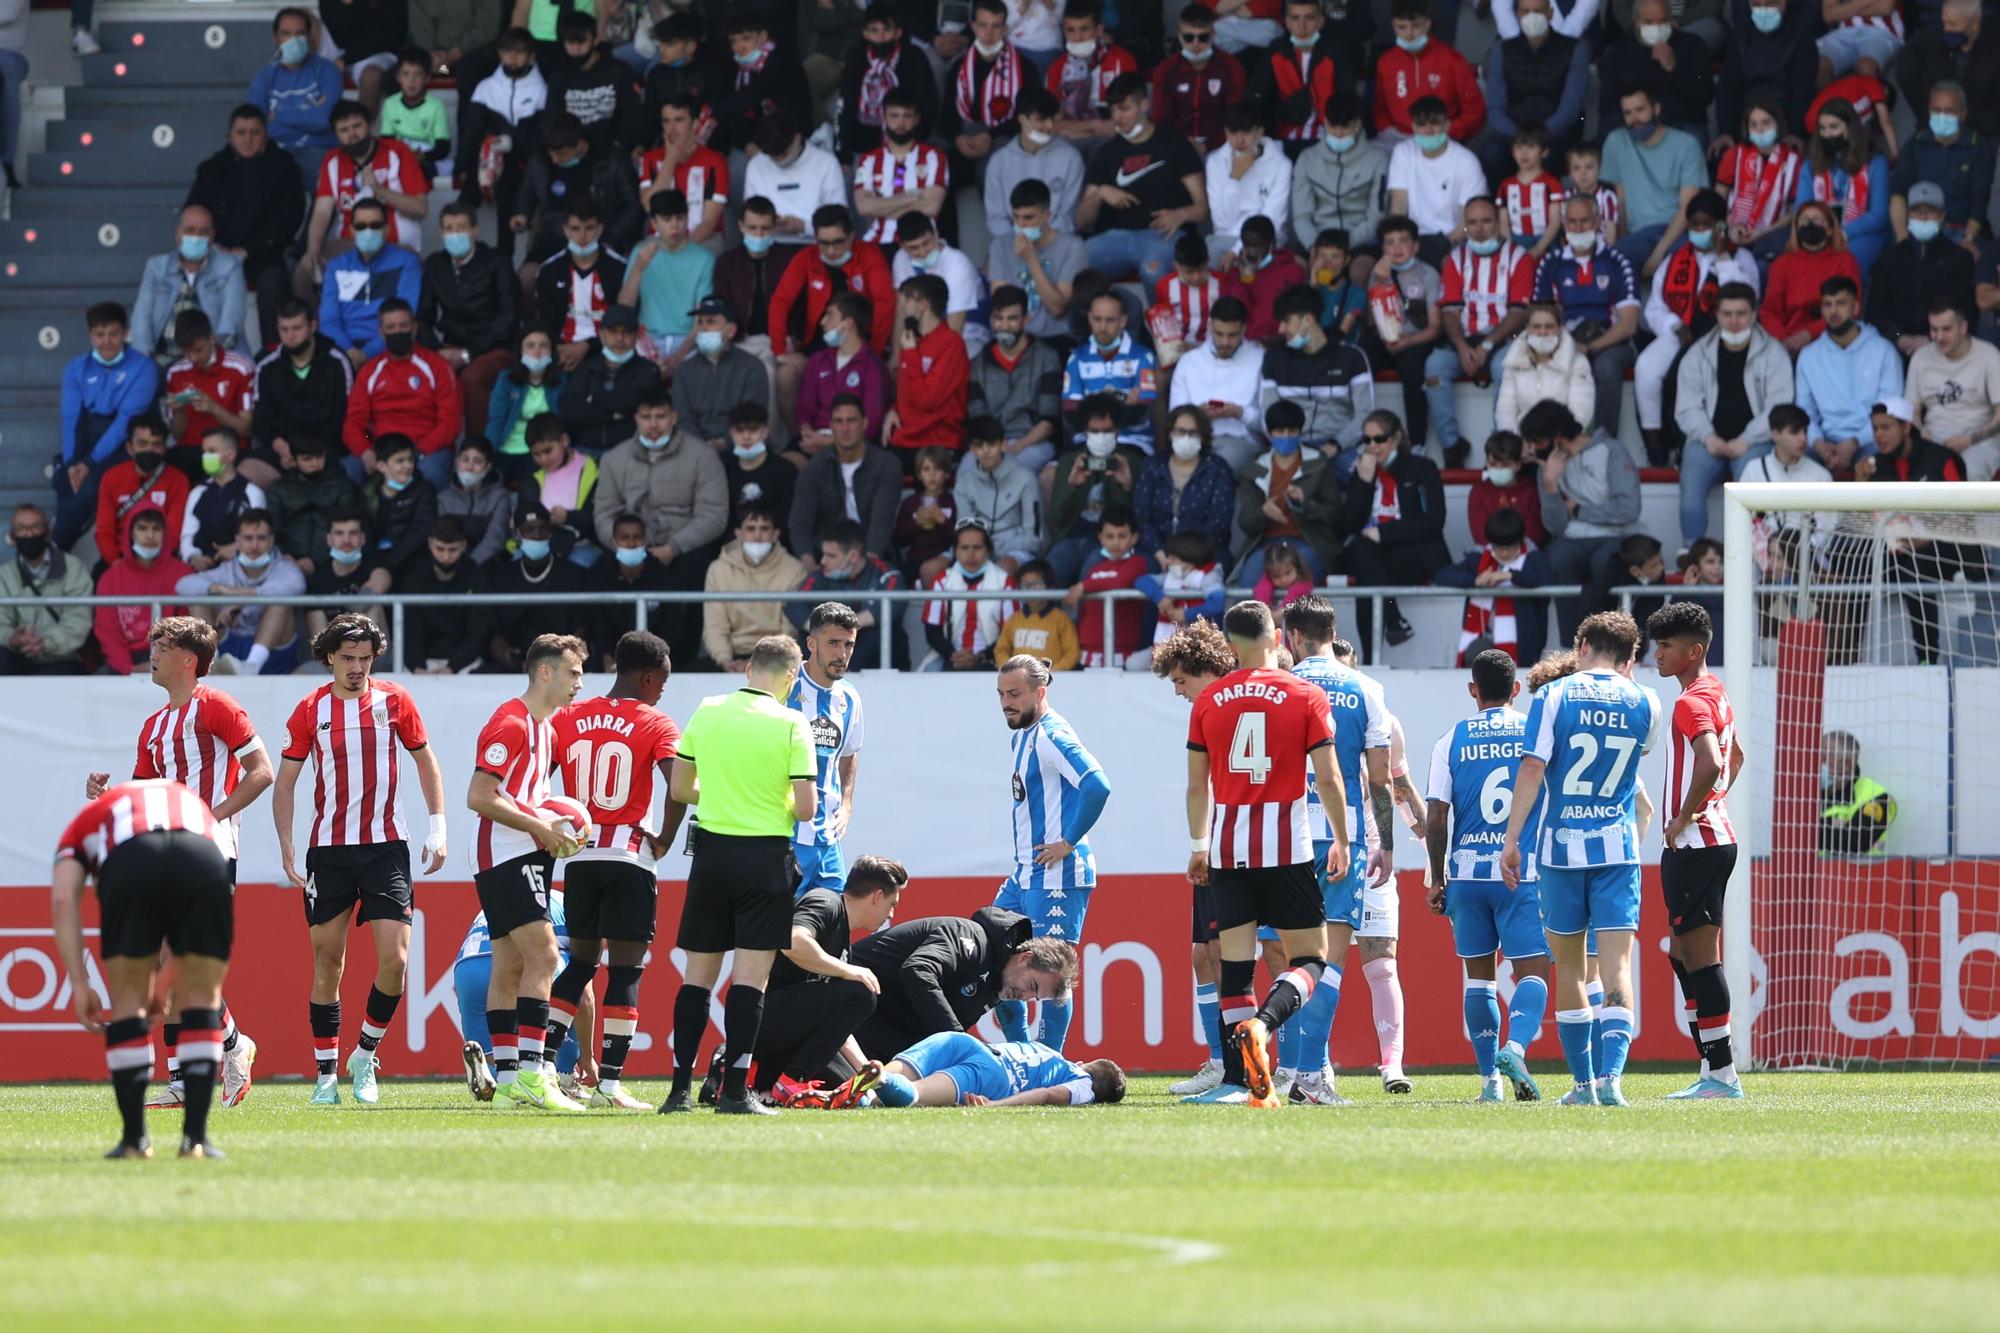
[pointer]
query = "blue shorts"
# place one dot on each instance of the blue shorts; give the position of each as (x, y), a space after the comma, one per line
(1845, 47)
(964, 1059)
(1343, 896)
(1580, 898)
(821, 866)
(1057, 912)
(468, 981)
(1485, 917)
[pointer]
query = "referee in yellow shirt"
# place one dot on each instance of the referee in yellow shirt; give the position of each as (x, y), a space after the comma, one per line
(746, 765)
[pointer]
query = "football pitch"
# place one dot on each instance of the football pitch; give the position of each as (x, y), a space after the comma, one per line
(1864, 1200)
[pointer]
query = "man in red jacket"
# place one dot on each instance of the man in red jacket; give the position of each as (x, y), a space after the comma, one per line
(1418, 67)
(1292, 78)
(932, 375)
(143, 481)
(1194, 86)
(834, 263)
(148, 569)
(1262, 272)
(407, 390)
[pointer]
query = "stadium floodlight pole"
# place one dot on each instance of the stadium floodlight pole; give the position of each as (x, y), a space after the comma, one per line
(1741, 501)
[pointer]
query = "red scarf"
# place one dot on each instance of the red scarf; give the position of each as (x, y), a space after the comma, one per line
(1003, 83)
(1491, 618)
(744, 73)
(1763, 186)
(1687, 292)
(1387, 508)
(876, 82)
(1827, 192)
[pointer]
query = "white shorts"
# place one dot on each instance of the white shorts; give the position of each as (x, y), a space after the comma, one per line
(382, 60)
(1381, 913)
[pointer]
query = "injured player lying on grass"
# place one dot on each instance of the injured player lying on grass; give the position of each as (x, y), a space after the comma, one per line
(958, 1069)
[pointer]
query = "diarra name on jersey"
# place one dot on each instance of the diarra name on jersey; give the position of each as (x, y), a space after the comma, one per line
(604, 722)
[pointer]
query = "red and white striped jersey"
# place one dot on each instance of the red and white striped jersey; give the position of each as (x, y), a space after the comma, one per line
(1610, 213)
(1760, 188)
(125, 811)
(880, 172)
(703, 176)
(393, 166)
(518, 750)
(1485, 287)
(1192, 303)
(1530, 206)
(610, 751)
(201, 745)
(352, 743)
(1259, 728)
(969, 625)
(1891, 22)
(1702, 709)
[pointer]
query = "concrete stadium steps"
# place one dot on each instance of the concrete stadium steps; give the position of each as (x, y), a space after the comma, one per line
(110, 172)
(33, 367)
(66, 301)
(65, 205)
(147, 67)
(224, 42)
(59, 251)
(133, 105)
(24, 329)
(27, 443)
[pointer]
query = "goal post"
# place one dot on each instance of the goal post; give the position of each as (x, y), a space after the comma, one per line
(1848, 966)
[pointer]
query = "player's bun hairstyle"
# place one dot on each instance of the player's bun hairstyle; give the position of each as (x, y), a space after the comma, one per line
(1199, 649)
(638, 651)
(1343, 652)
(345, 628)
(1107, 1082)
(1493, 676)
(1052, 956)
(1036, 669)
(190, 632)
(1681, 620)
(1312, 619)
(1611, 634)
(838, 614)
(552, 648)
(875, 874)
(1554, 666)
(1247, 622)
(775, 654)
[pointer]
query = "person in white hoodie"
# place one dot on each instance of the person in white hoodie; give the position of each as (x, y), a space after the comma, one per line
(1542, 364)
(1730, 379)
(1248, 176)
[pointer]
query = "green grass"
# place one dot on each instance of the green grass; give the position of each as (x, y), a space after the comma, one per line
(1851, 1201)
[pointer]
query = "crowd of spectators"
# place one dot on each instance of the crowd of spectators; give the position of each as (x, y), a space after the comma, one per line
(699, 317)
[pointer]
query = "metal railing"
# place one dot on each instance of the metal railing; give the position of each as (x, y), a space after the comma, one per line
(881, 601)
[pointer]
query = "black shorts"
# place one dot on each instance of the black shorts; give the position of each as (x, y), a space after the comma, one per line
(171, 885)
(375, 875)
(1205, 930)
(1693, 880)
(739, 894)
(610, 900)
(515, 892)
(1281, 897)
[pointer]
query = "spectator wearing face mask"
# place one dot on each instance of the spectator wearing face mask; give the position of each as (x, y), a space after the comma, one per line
(847, 573)
(477, 494)
(1223, 377)
(1730, 379)
(600, 399)
(1916, 273)
(259, 639)
(408, 391)
(1503, 485)
(360, 281)
(885, 64)
(41, 640)
(305, 499)
(348, 576)
(208, 527)
(297, 92)
(1017, 380)
(443, 640)
(542, 582)
(196, 274)
(920, 252)
(668, 279)
(1655, 51)
(1418, 67)
(1680, 308)
(401, 505)
(842, 362)
(628, 570)
(302, 387)
(1189, 489)
(142, 481)
(1341, 182)
(753, 562)
(362, 167)
(1037, 153)
(1330, 382)
(1816, 251)
(470, 308)
(717, 376)
(146, 570)
(1088, 480)
(102, 391)
(755, 473)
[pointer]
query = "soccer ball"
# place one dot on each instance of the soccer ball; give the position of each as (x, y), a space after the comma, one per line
(570, 815)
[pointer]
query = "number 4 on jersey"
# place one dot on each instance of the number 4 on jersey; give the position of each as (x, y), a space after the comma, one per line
(1248, 752)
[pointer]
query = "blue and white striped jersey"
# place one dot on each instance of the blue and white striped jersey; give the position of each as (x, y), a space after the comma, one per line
(1473, 770)
(1590, 729)
(833, 715)
(1049, 768)
(478, 942)
(1360, 723)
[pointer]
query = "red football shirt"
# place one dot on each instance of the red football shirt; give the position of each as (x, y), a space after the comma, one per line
(200, 745)
(610, 751)
(352, 743)
(1702, 709)
(394, 165)
(125, 811)
(703, 176)
(229, 380)
(518, 750)
(1259, 728)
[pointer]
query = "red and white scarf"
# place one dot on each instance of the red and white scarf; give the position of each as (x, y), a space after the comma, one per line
(744, 73)
(1388, 508)
(994, 105)
(876, 82)
(1762, 187)
(1492, 618)
(1826, 191)
(1079, 84)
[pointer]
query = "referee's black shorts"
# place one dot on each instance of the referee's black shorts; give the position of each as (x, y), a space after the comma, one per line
(167, 884)
(1281, 897)
(739, 894)
(1693, 881)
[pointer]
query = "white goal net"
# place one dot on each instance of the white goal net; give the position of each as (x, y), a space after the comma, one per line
(1862, 637)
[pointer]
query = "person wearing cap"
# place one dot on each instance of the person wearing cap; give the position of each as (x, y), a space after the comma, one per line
(541, 582)
(1924, 267)
(668, 276)
(1681, 306)
(1954, 381)
(1841, 374)
(717, 374)
(599, 399)
(1956, 159)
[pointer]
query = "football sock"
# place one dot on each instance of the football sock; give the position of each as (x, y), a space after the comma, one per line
(256, 657)
(1524, 1015)
(506, 1050)
(201, 1056)
(1386, 992)
(170, 1037)
(1616, 1026)
(375, 1022)
(1593, 992)
(531, 1017)
(326, 1036)
(742, 1015)
(1289, 1041)
(895, 1090)
(1315, 1021)
(1482, 1022)
(1237, 1004)
(229, 1031)
(561, 1018)
(620, 1021)
(1290, 991)
(690, 1022)
(1712, 1004)
(128, 1054)
(1012, 1016)
(1211, 1017)
(1688, 1008)
(1573, 1028)
(1055, 1023)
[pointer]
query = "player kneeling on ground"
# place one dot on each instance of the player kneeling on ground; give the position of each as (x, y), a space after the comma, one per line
(958, 1069)
(161, 878)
